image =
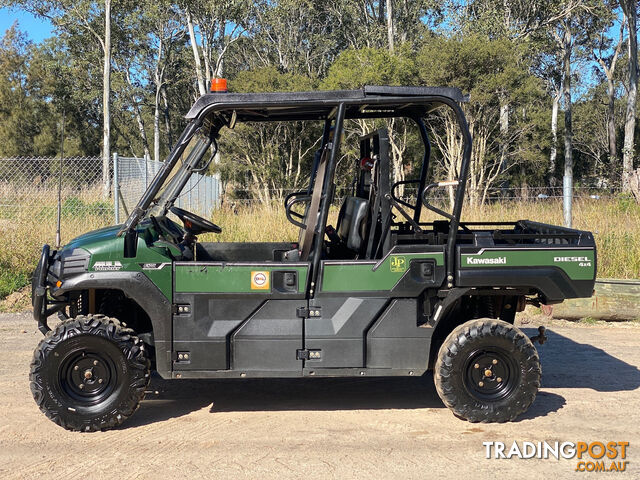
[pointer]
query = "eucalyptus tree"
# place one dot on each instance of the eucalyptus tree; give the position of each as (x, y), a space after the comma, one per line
(93, 18)
(160, 36)
(480, 67)
(606, 50)
(219, 25)
(301, 37)
(630, 9)
(18, 120)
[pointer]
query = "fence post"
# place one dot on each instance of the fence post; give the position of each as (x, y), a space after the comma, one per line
(116, 188)
(216, 197)
(206, 197)
(567, 197)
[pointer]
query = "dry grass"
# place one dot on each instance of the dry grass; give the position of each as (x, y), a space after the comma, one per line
(615, 223)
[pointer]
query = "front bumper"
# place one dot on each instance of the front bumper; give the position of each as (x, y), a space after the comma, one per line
(39, 286)
(39, 291)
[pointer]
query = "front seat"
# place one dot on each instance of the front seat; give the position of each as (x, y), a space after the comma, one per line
(350, 226)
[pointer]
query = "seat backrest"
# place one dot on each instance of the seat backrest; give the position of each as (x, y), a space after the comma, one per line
(351, 224)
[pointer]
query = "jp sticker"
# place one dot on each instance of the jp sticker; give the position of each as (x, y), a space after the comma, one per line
(398, 264)
(260, 280)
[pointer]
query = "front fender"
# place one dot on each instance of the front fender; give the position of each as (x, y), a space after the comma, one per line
(138, 287)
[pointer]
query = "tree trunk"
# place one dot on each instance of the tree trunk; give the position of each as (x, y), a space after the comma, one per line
(568, 132)
(609, 71)
(390, 24)
(196, 54)
(206, 56)
(140, 122)
(611, 121)
(159, 80)
(554, 138)
(106, 102)
(167, 118)
(137, 113)
(630, 10)
(221, 51)
(504, 132)
(156, 126)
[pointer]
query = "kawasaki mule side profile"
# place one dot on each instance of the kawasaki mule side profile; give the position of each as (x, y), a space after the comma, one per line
(381, 293)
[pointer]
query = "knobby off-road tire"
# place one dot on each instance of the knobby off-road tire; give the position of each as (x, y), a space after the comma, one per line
(90, 373)
(487, 371)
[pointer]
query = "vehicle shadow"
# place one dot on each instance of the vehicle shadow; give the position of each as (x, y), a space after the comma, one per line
(570, 364)
(565, 364)
(174, 398)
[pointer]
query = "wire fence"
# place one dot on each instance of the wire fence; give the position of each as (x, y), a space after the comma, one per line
(438, 195)
(200, 195)
(29, 191)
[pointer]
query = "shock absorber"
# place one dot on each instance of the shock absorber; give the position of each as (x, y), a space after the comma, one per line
(491, 311)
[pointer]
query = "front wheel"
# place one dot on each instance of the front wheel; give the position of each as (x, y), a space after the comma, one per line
(487, 371)
(90, 373)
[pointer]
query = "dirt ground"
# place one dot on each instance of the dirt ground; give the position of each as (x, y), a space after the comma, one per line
(329, 428)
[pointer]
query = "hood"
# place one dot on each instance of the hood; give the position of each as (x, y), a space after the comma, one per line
(94, 238)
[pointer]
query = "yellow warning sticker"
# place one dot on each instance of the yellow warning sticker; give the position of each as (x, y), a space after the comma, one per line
(398, 263)
(260, 280)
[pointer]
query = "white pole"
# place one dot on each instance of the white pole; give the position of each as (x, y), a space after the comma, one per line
(116, 188)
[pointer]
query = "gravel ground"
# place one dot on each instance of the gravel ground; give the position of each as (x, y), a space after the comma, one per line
(329, 428)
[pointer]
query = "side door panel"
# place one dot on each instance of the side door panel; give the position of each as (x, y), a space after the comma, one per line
(358, 322)
(237, 313)
(338, 333)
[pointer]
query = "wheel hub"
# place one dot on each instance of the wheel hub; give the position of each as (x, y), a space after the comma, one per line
(87, 377)
(490, 374)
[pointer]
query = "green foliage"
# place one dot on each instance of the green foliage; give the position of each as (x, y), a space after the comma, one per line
(589, 321)
(501, 53)
(269, 79)
(375, 66)
(11, 280)
(73, 206)
(627, 204)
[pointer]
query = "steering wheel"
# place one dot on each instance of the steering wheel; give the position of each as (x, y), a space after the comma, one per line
(194, 224)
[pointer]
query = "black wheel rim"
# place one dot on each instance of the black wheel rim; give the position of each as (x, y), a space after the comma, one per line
(491, 374)
(88, 377)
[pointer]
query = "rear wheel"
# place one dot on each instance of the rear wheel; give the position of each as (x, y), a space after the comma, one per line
(90, 373)
(487, 371)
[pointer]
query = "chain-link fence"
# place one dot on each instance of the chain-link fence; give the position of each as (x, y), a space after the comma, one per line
(438, 195)
(29, 193)
(200, 195)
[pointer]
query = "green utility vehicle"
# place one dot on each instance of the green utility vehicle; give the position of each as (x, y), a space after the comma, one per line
(381, 293)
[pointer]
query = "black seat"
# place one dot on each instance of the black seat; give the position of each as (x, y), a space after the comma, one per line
(352, 222)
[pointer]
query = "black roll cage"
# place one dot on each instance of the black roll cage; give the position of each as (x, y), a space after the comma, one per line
(332, 107)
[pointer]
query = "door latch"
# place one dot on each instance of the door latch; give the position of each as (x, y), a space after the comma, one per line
(182, 309)
(312, 312)
(308, 354)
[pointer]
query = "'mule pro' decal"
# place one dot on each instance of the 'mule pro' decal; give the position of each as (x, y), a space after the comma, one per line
(260, 280)
(107, 266)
